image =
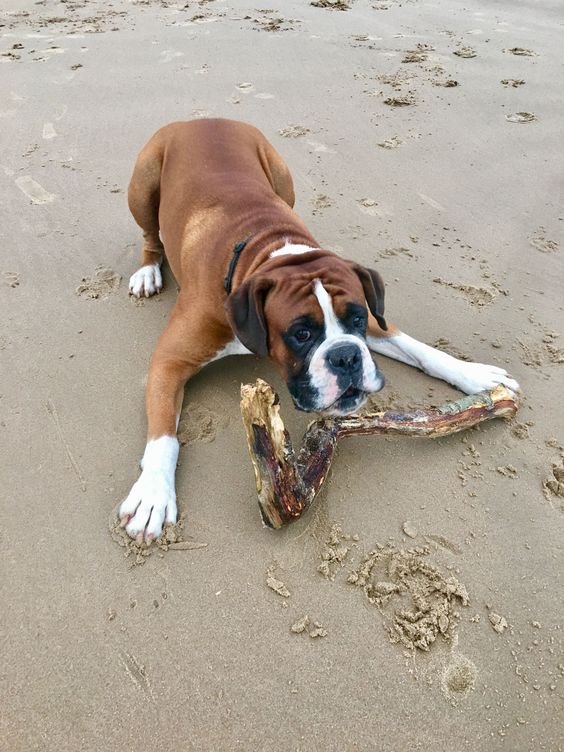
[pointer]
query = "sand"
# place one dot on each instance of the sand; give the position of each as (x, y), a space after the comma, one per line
(423, 139)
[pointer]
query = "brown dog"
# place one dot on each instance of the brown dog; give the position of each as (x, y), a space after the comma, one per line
(253, 280)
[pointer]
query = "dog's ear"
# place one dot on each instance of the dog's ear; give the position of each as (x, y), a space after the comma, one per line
(373, 286)
(245, 311)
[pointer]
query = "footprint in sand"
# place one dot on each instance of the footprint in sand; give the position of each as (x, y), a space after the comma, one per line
(521, 52)
(246, 87)
(414, 56)
(419, 54)
(11, 279)
(521, 117)
(202, 20)
(104, 282)
(274, 24)
(395, 80)
(391, 143)
(542, 243)
(293, 131)
(406, 101)
(199, 424)
(368, 206)
(10, 55)
(478, 296)
(514, 82)
(320, 202)
(465, 52)
(35, 192)
(49, 53)
(331, 4)
(537, 354)
(386, 253)
(449, 83)
(555, 484)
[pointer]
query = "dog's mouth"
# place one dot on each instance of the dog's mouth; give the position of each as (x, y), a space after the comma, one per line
(350, 400)
(351, 392)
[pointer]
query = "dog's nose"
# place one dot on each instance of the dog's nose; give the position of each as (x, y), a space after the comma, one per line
(345, 359)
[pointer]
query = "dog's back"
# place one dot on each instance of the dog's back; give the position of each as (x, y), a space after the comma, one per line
(241, 168)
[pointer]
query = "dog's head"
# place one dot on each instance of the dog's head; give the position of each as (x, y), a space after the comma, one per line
(309, 314)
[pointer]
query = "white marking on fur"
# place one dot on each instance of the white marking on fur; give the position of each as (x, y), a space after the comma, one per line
(332, 326)
(321, 377)
(146, 281)
(291, 249)
(235, 347)
(468, 377)
(152, 499)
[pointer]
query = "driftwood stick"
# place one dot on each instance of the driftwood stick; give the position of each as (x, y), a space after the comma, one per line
(288, 480)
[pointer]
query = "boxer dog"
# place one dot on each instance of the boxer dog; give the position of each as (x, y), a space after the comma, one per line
(217, 198)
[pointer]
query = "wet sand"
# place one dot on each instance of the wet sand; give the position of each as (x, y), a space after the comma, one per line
(418, 605)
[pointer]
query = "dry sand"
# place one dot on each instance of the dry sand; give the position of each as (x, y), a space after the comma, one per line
(424, 138)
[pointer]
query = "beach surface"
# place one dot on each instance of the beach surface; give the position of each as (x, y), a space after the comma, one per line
(418, 604)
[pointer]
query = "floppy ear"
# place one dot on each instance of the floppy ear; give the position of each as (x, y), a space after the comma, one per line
(373, 286)
(245, 311)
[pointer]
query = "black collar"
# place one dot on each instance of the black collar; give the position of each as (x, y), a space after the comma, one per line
(228, 281)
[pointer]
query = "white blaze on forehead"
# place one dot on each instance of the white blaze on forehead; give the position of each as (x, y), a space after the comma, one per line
(292, 249)
(332, 326)
(321, 377)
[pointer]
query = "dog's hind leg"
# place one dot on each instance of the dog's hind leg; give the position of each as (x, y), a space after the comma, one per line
(143, 198)
(278, 174)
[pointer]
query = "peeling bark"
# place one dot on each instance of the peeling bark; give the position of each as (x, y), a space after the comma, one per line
(288, 479)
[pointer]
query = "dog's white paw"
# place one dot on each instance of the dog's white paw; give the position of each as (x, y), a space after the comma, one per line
(146, 281)
(478, 377)
(150, 504)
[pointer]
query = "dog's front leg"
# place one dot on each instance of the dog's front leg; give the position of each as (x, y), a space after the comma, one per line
(468, 377)
(181, 351)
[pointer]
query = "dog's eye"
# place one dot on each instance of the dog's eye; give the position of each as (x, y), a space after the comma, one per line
(302, 335)
(359, 322)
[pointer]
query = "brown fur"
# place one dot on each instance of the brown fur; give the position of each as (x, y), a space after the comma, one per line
(206, 185)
